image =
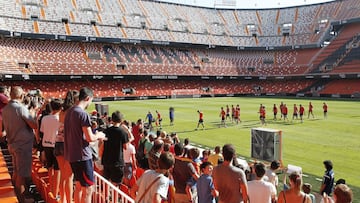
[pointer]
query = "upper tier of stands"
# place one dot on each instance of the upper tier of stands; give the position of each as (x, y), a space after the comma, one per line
(151, 20)
(43, 57)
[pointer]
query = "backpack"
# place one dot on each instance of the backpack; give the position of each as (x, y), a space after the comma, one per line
(140, 155)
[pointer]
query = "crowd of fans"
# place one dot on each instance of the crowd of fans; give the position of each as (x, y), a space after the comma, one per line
(148, 165)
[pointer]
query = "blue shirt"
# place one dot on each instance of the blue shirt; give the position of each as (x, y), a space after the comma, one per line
(328, 180)
(204, 187)
(76, 148)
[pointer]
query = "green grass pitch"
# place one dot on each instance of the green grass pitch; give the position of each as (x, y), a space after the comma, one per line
(305, 144)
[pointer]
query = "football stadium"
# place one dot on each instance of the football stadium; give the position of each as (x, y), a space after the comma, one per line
(278, 80)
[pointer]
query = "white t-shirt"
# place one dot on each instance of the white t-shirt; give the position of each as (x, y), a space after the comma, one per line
(128, 153)
(159, 187)
(260, 191)
(49, 126)
(271, 177)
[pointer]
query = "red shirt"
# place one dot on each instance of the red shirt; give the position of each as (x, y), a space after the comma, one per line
(275, 110)
(201, 115)
(222, 113)
(295, 110)
(325, 107)
(302, 109)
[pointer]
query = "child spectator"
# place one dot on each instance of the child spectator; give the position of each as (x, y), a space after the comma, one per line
(307, 190)
(205, 186)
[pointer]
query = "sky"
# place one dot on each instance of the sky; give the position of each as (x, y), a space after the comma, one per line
(247, 4)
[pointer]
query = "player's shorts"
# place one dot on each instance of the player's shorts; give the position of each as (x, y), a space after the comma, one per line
(83, 172)
(295, 114)
(201, 120)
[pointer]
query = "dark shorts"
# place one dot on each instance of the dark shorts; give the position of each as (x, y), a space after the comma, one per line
(114, 173)
(59, 149)
(201, 120)
(51, 161)
(128, 170)
(295, 114)
(83, 172)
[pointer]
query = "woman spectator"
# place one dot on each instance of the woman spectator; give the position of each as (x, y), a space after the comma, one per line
(294, 194)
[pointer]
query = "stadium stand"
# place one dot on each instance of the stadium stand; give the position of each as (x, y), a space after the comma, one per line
(150, 49)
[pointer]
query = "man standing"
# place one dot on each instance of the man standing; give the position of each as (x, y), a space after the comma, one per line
(19, 123)
(4, 99)
(259, 186)
(77, 135)
(301, 112)
(201, 120)
(325, 108)
(153, 185)
(223, 117)
(310, 110)
(116, 142)
(328, 179)
(183, 171)
(229, 180)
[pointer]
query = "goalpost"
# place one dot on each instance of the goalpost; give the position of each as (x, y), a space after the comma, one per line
(185, 93)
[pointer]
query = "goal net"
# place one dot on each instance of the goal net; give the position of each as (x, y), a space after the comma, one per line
(185, 93)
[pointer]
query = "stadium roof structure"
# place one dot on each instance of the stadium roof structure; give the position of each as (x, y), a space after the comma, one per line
(246, 4)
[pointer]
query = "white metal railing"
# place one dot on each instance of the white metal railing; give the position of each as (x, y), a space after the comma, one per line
(106, 192)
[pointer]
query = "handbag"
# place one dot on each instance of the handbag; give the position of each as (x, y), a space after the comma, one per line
(147, 189)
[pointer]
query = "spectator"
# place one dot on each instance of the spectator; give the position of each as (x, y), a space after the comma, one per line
(215, 157)
(260, 186)
(271, 173)
(343, 194)
(66, 174)
(50, 126)
(294, 193)
(307, 190)
(187, 147)
(4, 99)
(155, 153)
(183, 170)
(153, 185)
(205, 186)
(205, 155)
(137, 131)
(141, 151)
(19, 123)
(229, 180)
(193, 155)
(130, 163)
(328, 178)
(116, 142)
(78, 134)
